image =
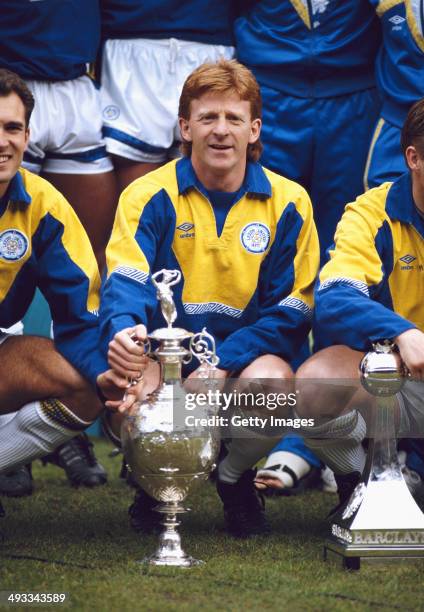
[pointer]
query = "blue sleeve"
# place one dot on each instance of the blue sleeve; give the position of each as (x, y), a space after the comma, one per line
(345, 314)
(285, 294)
(353, 302)
(69, 280)
(128, 296)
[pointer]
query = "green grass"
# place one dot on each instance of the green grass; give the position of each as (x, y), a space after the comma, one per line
(79, 542)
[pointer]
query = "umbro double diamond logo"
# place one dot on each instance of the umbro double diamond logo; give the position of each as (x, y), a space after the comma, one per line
(396, 20)
(185, 227)
(407, 259)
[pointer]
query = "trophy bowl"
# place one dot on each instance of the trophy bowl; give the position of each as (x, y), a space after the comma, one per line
(382, 371)
(166, 462)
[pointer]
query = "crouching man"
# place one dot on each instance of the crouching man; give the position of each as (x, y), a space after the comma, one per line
(246, 245)
(49, 387)
(371, 289)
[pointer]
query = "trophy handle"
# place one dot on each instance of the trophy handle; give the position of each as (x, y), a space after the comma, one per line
(144, 343)
(203, 347)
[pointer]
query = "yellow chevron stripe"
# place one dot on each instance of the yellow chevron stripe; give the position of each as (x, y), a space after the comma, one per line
(386, 5)
(302, 10)
(376, 134)
(412, 17)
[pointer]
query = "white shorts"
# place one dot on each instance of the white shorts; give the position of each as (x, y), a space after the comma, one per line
(15, 330)
(142, 81)
(66, 129)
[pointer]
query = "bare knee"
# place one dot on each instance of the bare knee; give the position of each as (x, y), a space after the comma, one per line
(327, 382)
(268, 366)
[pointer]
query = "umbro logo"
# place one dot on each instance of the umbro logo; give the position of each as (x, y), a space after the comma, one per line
(396, 20)
(185, 227)
(407, 259)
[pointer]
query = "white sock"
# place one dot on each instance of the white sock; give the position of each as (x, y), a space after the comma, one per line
(281, 458)
(243, 454)
(5, 418)
(36, 430)
(338, 442)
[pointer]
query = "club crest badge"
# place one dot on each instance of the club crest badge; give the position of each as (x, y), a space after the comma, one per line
(255, 237)
(111, 112)
(13, 245)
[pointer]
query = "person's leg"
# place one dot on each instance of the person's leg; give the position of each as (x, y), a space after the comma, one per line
(343, 132)
(385, 158)
(66, 129)
(243, 508)
(330, 393)
(94, 199)
(53, 401)
(287, 135)
(128, 170)
(139, 106)
(290, 468)
(35, 371)
(411, 434)
(245, 450)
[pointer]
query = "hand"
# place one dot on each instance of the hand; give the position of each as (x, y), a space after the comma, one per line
(411, 349)
(125, 356)
(115, 389)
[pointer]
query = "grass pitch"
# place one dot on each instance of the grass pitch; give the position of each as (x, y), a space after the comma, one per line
(79, 542)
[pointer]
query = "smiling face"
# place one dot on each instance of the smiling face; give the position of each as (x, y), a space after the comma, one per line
(220, 128)
(14, 136)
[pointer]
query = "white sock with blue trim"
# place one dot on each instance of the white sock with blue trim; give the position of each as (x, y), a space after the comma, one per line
(36, 430)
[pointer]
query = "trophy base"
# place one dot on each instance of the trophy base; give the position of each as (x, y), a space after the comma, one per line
(167, 561)
(352, 557)
(169, 552)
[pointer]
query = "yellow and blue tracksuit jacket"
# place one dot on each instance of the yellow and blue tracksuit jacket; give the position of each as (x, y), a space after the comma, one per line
(309, 48)
(400, 61)
(372, 288)
(43, 244)
(252, 286)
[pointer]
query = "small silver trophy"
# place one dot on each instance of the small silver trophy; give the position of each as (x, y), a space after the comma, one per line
(381, 520)
(168, 459)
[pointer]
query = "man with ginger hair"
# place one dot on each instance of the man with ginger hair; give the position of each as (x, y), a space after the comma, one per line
(245, 242)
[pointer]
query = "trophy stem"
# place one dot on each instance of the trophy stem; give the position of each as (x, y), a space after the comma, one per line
(169, 551)
(382, 460)
(380, 521)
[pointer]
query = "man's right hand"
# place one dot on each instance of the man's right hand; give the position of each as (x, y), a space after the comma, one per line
(125, 355)
(411, 349)
(116, 392)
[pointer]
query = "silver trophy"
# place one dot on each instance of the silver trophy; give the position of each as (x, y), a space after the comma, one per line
(381, 520)
(167, 458)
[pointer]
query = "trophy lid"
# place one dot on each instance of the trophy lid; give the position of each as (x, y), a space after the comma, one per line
(170, 333)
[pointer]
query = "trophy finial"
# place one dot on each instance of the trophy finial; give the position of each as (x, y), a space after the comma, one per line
(165, 294)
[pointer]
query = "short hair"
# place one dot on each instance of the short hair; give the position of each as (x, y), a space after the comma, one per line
(12, 83)
(413, 128)
(226, 77)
